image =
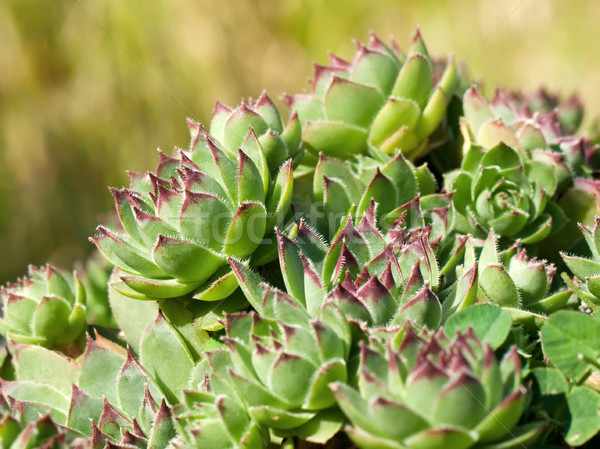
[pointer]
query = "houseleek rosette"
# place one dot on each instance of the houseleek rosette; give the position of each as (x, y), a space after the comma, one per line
(281, 363)
(363, 274)
(181, 222)
(105, 397)
(207, 419)
(586, 283)
(344, 187)
(19, 430)
(538, 124)
(508, 279)
(381, 102)
(436, 392)
(45, 309)
(503, 190)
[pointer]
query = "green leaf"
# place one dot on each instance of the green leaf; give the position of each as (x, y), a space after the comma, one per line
(124, 307)
(211, 314)
(432, 114)
(424, 309)
(185, 260)
(246, 230)
(461, 403)
(476, 110)
(396, 114)
(581, 267)
(382, 191)
(84, 408)
(279, 196)
(319, 429)
(583, 420)
(250, 182)
(415, 80)
(495, 132)
(549, 381)
(159, 288)
(498, 287)
(221, 284)
(163, 429)
(502, 156)
(18, 313)
(375, 69)
(490, 323)
(166, 358)
(204, 218)
(34, 363)
(337, 203)
(451, 437)
(99, 371)
(352, 103)
(292, 267)
(565, 336)
(335, 139)
(123, 255)
(250, 283)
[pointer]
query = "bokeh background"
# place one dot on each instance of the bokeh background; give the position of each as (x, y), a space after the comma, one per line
(90, 88)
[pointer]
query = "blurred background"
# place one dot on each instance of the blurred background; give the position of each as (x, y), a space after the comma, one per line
(90, 88)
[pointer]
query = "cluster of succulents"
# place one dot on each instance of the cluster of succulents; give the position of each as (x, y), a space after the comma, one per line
(378, 273)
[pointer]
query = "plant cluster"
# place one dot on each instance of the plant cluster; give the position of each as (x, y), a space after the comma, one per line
(380, 272)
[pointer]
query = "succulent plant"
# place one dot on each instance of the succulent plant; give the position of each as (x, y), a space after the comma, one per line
(344, 187)
(45, 309)
(105, 398)
(20, 429)
(358, 298)
(282, 362)
(569, 111)
(436, 392)
(206, 419)
(181, 222)
(380, 103)
(363, 274)
(501, 188)
(508, 279)
(538, 124)
(586, 283)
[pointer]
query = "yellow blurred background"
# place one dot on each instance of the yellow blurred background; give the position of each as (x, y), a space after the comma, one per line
(90, 88)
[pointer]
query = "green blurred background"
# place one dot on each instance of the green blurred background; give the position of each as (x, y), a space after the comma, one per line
(90, 88)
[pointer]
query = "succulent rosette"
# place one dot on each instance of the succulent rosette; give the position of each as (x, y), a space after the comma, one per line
(105, 398)
(509, 279)
(569, 111)
(380, 103)
(436, 392)
(586, 283)
(21, 431)
(180, 223)
(45, 309)
(206, 419)
(343, 187)
(370, 279)
(538, 124)
(502, 189)
(281, 362)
